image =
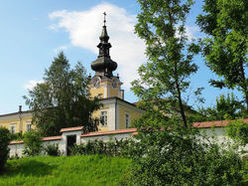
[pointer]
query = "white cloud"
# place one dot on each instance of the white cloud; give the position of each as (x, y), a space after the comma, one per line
(84, 28)
(192, 32)
(31, 84)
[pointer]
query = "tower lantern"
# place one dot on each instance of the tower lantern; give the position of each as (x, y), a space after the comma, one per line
(104, 65)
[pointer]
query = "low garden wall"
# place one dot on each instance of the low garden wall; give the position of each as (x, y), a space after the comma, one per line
(17, 147)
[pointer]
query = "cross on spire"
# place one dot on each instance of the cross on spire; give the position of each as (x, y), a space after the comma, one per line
(104, 20)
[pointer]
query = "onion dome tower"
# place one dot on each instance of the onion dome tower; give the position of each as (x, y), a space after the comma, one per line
(104, 83)
(104, 65)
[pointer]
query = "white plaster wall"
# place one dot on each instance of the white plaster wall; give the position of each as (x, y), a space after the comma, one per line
(217, 135)
(17, 149)
(106, 138)
(111, 116)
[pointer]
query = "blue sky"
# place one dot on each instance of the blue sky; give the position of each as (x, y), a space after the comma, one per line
(33, 32)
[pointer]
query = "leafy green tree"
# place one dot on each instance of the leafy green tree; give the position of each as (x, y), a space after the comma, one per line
(4, 150)
(227, 107)
(225, 46)
(63, 99)
(161, 24)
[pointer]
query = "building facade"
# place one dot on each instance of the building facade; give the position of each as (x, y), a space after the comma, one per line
(115, 114)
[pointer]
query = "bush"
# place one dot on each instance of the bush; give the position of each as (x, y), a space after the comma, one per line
(16, 136)
(4, 150)
(110, 148)
(32, 143)
(52, 150)
(180, 157)
(238, 131)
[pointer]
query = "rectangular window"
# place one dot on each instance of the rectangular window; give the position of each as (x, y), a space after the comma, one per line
(103, 118)
(127, 120)
(28, 126)
(12, 128)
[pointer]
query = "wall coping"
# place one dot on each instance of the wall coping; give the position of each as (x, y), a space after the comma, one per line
(209, 124)
(50, 138)
(134, 131)
(103, 133)
(71, 129)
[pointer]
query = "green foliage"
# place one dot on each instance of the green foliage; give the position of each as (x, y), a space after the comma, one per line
(32, 143)
(227, 107)
(111, 148)
(52, 150)
(177, 157)
(161, 24)
(63, 99)
(16, 136)
(4, 150)
(72, 170)
(238, 130)
(225, 46)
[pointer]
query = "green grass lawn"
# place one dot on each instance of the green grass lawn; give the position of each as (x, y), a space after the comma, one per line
(73, 170)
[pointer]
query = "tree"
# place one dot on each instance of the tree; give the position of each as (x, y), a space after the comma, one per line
(161, 24)
(225, 46)
(63, 99)
(227, 107)
(4, 149)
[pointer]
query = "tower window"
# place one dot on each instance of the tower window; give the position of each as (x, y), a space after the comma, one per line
(127, 120)
(103, 118)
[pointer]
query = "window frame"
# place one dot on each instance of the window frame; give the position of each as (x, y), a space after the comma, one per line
(12, 128)
(28, 123)
(104, 115)
(127, 120)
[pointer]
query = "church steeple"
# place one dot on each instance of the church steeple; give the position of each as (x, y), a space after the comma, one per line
(104, 65)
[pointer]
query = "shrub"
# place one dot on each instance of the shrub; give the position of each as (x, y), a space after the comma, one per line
(16, 136)
(178, 157)
(110, 148)
(238, 131)
(52, 150)
(32, 143)
(4, 150)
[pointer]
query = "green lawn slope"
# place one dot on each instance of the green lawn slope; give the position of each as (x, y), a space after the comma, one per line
(73, 170)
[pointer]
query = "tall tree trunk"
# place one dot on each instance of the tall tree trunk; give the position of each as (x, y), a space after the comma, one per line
(181, 105)
(179, 97)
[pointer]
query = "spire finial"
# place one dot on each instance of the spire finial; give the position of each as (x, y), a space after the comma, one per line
(104, 19)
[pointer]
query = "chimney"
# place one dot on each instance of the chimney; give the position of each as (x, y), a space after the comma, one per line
(122, 94)
(20, 108)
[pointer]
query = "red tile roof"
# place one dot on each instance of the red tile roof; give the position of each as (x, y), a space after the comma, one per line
(71, 129)
(209, 124)
(50, 138)
(120, 131)
(15, 142)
